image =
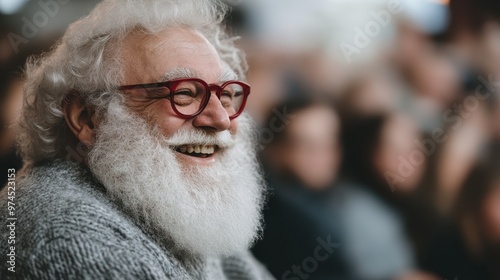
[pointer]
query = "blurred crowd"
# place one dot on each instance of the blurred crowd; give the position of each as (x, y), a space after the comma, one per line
(379, 127)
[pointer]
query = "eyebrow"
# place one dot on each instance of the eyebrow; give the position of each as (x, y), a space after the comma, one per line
(179, 73)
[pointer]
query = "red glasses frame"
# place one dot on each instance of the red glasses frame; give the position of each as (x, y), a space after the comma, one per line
(172, 85)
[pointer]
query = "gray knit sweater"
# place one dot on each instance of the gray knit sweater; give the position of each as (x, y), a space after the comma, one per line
(67, 228)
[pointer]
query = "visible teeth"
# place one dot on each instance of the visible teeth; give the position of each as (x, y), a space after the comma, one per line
(210, 150)
(204, 149)
(199, 149)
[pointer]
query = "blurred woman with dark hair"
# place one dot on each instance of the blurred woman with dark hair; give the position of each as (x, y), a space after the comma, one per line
(301, 162)
(382, 170)
(471, 249)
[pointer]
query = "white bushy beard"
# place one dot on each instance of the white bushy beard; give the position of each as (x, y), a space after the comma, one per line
(202, 210)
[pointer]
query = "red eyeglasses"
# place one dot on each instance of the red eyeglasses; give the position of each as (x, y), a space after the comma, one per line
(189, 97)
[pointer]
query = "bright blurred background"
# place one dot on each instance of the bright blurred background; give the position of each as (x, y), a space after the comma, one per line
(379, 126)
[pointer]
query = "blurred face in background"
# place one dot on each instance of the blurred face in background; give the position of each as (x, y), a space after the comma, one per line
(436, 79)
(396, 144)
(311, 149)
(488, 44)
(375, 94)
(410, 44)
(459, 153)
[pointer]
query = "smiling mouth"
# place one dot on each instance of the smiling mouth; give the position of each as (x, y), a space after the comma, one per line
(200, 151)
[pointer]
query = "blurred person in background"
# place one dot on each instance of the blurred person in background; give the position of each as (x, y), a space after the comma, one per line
(464, 141)
(307, 149)
(376, 147)
(471, 248)
(381, 173)
(300, 240)
(432, 84)
(435, 84)
(372, 91)
(308, 203)
(409, 46)
(474, 34)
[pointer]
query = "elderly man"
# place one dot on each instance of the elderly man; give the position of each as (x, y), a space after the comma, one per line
(139, 160)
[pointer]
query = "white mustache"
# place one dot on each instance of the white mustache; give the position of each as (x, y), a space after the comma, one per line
(222, 139)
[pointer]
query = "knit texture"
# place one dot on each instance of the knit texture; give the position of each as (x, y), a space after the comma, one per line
(67, 228)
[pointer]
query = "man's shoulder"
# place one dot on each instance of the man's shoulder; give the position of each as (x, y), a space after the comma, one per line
(66, 226)
(61, 199)
(60, 194)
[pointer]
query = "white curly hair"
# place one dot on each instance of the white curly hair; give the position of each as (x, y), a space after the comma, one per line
(85, 63)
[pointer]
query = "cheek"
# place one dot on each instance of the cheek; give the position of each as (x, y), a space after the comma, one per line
(169, 125)
(162, 117)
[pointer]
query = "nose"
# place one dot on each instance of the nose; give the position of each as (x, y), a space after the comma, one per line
(214, 118)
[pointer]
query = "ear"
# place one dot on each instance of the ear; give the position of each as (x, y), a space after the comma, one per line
(80, 120)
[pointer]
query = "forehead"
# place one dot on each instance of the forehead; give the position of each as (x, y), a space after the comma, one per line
(317, 121)
(148, 57)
